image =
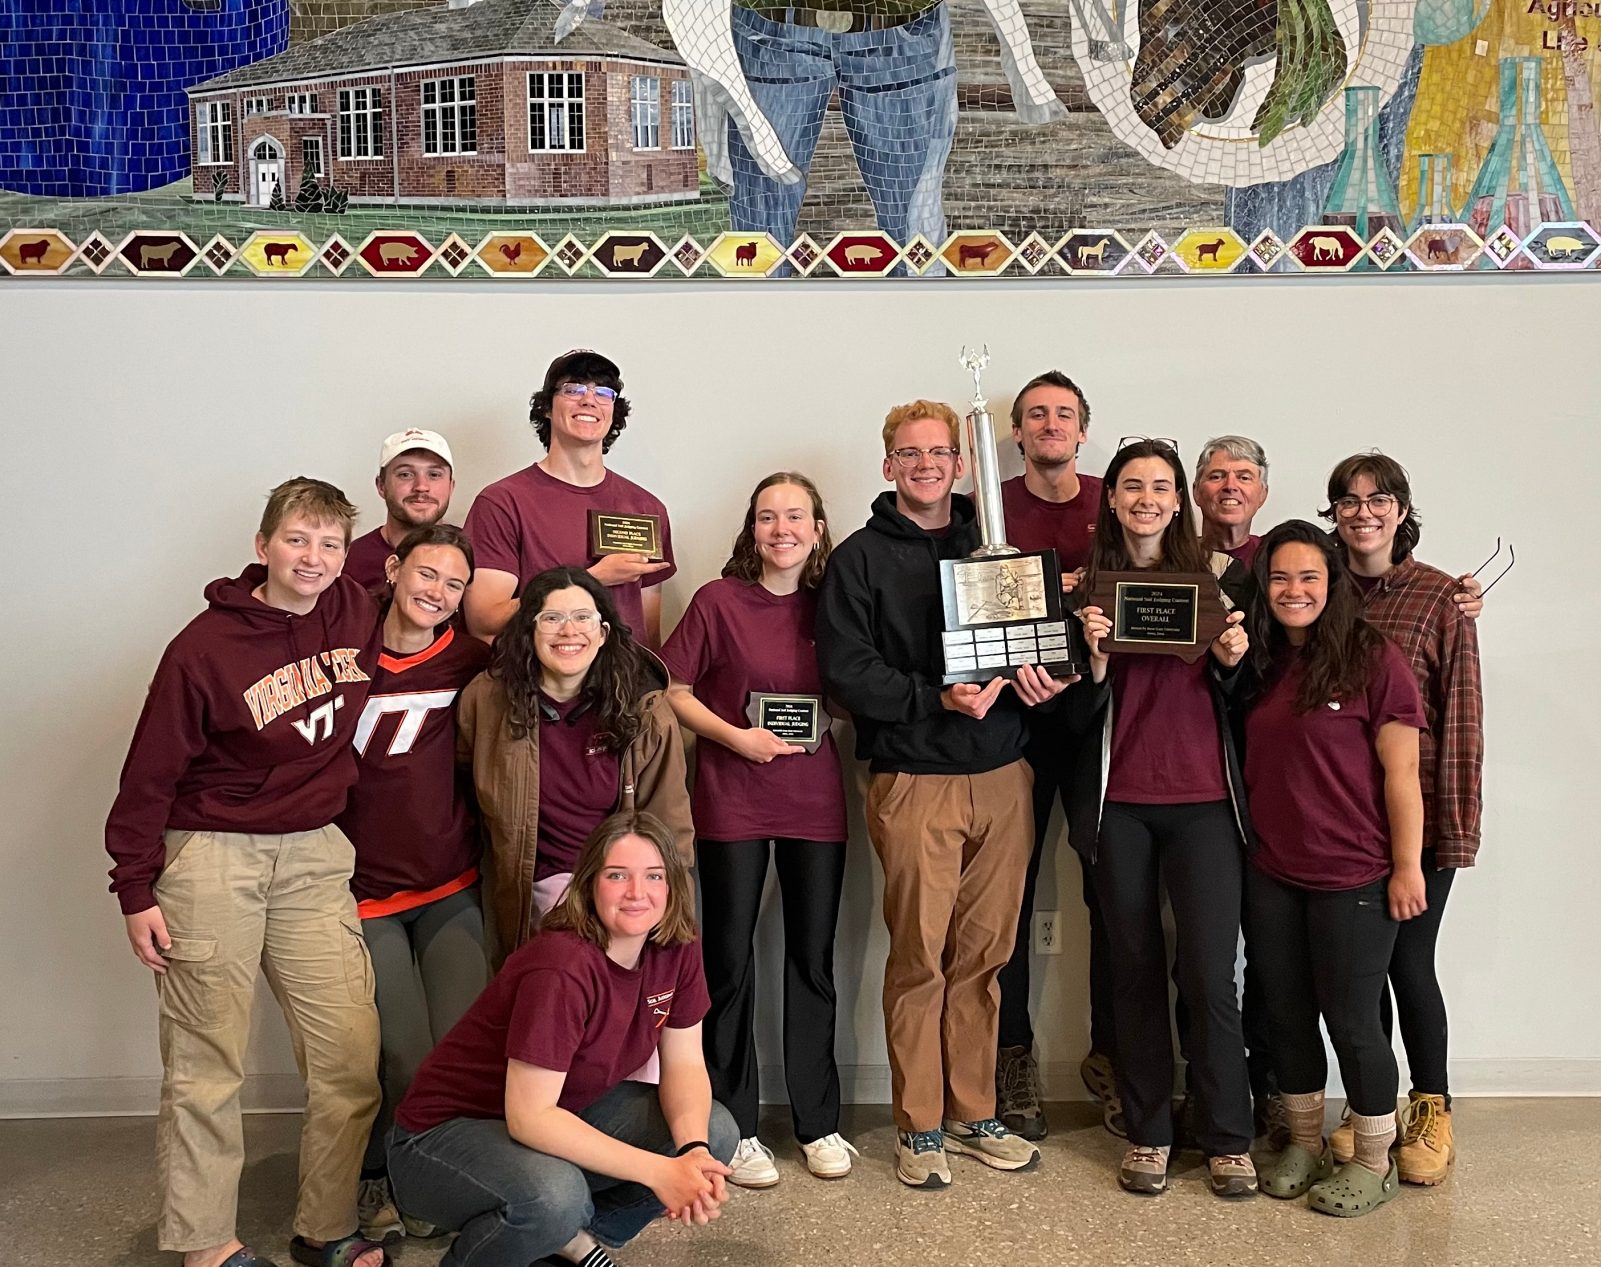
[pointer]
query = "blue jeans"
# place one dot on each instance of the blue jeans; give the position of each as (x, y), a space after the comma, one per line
(513, 1205)
(897, 91)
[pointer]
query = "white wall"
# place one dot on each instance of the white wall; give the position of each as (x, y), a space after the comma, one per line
(144, 422)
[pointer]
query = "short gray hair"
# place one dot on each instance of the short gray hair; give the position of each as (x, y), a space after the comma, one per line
(1240, 448)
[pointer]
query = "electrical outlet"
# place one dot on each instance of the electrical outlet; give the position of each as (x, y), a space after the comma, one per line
(1047, 933)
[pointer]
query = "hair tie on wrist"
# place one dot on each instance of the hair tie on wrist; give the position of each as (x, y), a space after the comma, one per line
(692, 1146)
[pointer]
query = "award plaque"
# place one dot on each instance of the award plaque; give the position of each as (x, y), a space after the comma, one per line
(1160, 613)
(796, 719)
(1003, 608)
(612, 532)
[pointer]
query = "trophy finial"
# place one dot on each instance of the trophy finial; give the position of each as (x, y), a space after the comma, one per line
(974, 361)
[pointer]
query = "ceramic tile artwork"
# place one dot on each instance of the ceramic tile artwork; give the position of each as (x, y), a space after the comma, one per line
(537, 140)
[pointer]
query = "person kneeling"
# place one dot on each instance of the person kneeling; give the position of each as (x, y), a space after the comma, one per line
(522, 1130)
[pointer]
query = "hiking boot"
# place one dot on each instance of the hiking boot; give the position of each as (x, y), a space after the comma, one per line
(1144, 1170)
(752, 1165)
(1427, 1148)
(1017, 1092)
(1342, 1139)
(376, 1214)
(1233, 1175)
(419, 1230)
(920, 1160)
(1272, 1122)
(990, 1142)
(829, 1157)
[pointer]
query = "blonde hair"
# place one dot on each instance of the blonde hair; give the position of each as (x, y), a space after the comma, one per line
(916, 409)
(316, 500)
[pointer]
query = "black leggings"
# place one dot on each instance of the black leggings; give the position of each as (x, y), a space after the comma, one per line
(1330, 951)
(1053, 776)
(1195, 849)
(811, 877)
(1418, 999)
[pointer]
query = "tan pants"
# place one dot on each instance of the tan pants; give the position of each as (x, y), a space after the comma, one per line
(954, 850)
(232, 902)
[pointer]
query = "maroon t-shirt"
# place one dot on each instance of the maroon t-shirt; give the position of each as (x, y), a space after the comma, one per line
(578, 783)
(531, 522)
(364, 561)
(558, 1003)
(407, 815)
(1166, 749)
(734, 639)
(1315, 782)
(1246, 552)
(1032, 523)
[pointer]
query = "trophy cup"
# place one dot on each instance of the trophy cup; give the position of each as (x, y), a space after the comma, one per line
(1003, 607)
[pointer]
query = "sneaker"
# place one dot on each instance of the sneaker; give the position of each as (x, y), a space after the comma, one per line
(752, 1165)
(1100, 1079)
(1233, 1175)
(1144, 1170)
(376, 1213)
(990, 1142)
(1272, 1122)
(829, 1157)
(1427, 1147)
(1017, 1092)
(920, 1160)
(1342, 1139)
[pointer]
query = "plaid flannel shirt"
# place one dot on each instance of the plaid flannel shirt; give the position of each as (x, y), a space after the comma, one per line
(1412, 606)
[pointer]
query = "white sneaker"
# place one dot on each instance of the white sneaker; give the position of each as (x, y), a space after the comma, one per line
(753, 1165)
(829, 1157)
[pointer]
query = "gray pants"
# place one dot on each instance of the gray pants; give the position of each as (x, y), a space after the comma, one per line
(429, 967)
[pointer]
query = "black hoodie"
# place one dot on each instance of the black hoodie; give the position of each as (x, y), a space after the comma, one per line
(247, 726)
(879, 619)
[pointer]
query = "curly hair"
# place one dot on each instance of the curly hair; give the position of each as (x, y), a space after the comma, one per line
(1341, 648)
(579, 367)
(1388, 476)
(1181, 546)
(745, 562)
(615, 680)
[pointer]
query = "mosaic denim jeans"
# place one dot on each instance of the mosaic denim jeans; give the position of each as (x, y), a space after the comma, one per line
(897, 91)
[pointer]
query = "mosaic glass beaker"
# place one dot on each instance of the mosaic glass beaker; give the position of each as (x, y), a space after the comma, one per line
(1446, 21)
(1434, 191)
(1518, 185)
(1362, 196)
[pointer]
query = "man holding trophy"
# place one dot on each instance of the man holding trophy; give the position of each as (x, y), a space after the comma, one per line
(940, 719)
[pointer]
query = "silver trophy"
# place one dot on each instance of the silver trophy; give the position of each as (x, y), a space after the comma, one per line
(1003, 606)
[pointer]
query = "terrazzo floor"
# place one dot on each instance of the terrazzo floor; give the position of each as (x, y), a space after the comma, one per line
(1525, 1189)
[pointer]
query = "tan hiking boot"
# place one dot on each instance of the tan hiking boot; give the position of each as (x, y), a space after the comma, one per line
(1342, 1139)
(1232, 1175)
(1144, 1170)
(1427, 1148)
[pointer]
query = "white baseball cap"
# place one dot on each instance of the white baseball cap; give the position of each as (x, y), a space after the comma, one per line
(414, 438)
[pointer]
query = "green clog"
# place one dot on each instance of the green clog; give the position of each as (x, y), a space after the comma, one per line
(1295, 1171)
(1353, 1190)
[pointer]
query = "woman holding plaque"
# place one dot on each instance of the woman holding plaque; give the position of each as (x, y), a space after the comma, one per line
(569, 724)
(1413, 604)
(767, 786)
(1166, 806)
(1331, 768)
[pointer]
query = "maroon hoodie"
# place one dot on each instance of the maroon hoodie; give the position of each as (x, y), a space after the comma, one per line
(247, 726)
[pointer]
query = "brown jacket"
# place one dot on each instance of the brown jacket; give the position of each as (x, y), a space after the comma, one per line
(505, 774)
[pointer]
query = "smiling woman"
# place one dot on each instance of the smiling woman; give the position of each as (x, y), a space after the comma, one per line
(570, 724)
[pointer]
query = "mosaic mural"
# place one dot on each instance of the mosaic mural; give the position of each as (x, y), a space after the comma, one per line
(545, 139)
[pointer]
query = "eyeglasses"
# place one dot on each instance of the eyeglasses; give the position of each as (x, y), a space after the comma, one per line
(1378, 505)
(1511, 562)
(909, 458)
(1161, 441)
(577, 391)
(583, 621)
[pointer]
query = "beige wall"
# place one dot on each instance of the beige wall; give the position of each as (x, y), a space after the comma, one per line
(144, 422)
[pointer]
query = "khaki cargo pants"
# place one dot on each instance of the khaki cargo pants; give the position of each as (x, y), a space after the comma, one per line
(954, 850)
(233, 902)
